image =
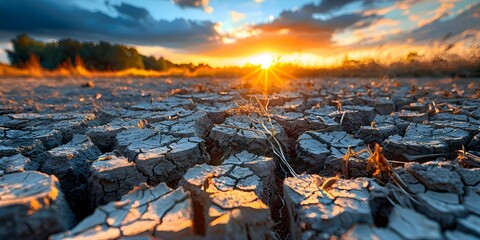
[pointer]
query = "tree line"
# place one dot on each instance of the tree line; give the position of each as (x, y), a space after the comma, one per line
(99, 56)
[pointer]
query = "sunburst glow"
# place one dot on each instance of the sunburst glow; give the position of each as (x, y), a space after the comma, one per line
(264, 60)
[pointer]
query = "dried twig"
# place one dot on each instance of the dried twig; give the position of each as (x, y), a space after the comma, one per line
(378, 162)
(345, 161)
(468, 158)
(265, 128)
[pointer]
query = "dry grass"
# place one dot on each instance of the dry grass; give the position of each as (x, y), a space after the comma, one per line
(270, 133)
(468, 159)
(34, 69)
(384, 173)
(262, 124)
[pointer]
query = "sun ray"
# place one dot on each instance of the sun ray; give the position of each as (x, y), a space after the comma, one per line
(251, 74)
(283, 73)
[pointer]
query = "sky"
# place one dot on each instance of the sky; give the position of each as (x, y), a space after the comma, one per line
(233, 32)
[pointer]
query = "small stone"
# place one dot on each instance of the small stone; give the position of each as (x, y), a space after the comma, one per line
(88, 84)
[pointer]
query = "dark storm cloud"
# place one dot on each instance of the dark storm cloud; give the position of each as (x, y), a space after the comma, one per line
(132, 11)
(326, 6)
(303, 20)
(300, 22)
(190, 3)
(133, 25)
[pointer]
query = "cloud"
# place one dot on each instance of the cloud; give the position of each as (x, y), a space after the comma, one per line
(361, 32)
(132, 11)
(327, 6)
(134, 25)
(300, 22)
(195, 4)
(190, 3)
(438, 29)
(303, 19)
(442, 11)
(431, 25)
(292, 31)
(237, 16)
(457, 28)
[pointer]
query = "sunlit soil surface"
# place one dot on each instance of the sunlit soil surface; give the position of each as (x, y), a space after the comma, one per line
(262, 157)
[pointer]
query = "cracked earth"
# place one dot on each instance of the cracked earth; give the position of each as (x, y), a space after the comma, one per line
(148, 159)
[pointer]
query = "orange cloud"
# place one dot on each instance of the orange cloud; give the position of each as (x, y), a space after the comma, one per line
(236, 16)
(443, 10)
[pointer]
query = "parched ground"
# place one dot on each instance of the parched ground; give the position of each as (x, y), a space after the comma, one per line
(176, 158)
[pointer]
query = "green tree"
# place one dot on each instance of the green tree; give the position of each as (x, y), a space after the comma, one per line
(101, 56)
(68, 49)
(120, 57)
(151, 63)
(23, 49)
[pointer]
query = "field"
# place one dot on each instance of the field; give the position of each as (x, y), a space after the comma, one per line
(183, 158)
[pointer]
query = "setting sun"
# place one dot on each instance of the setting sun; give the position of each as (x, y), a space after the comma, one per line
(264, 60)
